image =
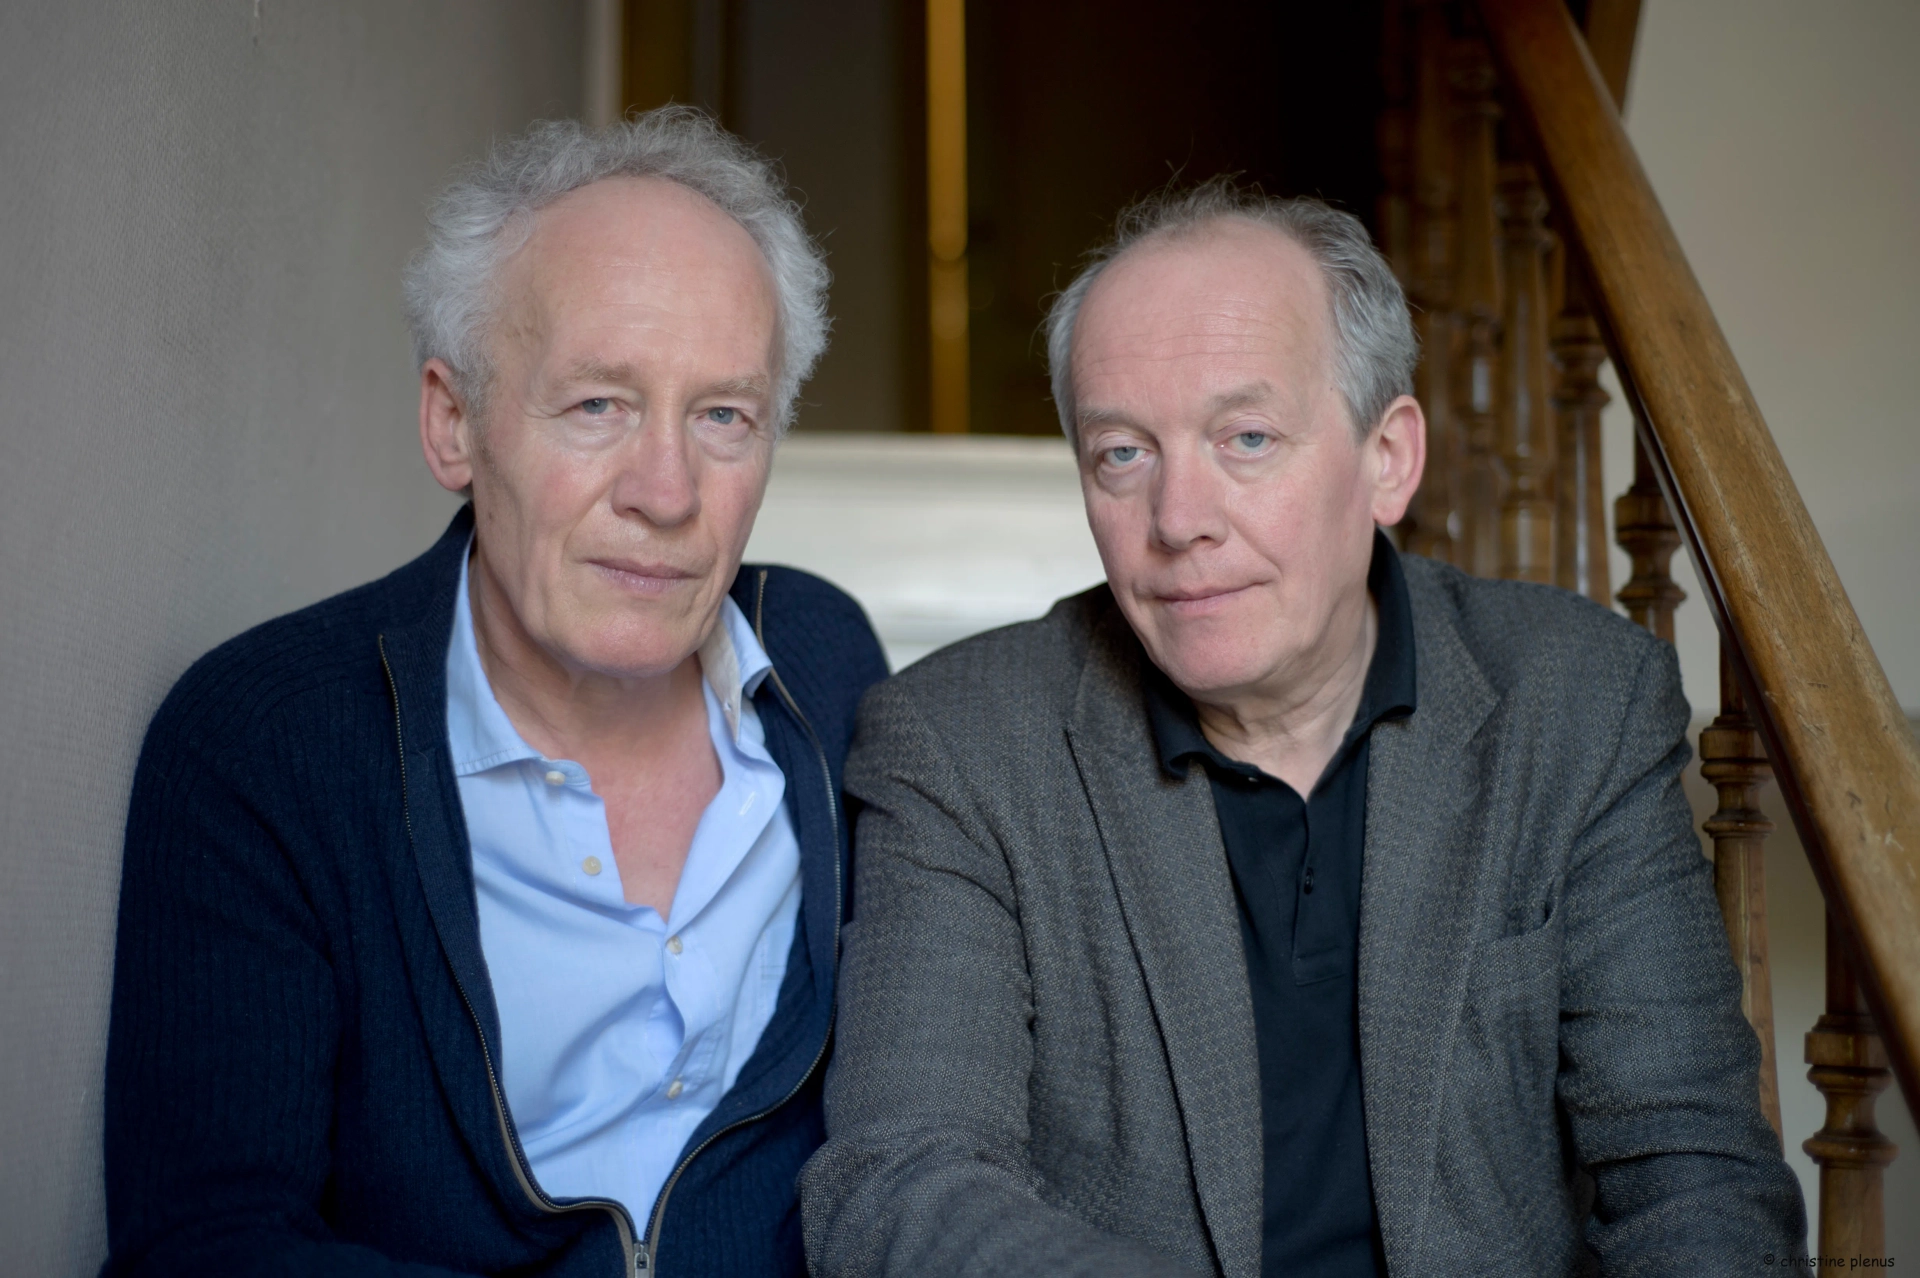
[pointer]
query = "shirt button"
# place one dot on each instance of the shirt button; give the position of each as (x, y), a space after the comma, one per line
(591, 865)
(674, 1089)
(556, 777)
(673, 945)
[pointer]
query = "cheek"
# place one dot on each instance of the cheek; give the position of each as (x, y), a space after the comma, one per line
(730, 497)
(1301, 510)
(532, 504)
(1273, 521)
(1118, 531)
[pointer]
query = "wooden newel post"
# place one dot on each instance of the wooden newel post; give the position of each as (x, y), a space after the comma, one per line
(1850, 1069)
(1734, 762)
(1645, 530)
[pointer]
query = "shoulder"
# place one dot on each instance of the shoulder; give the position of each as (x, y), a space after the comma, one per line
(774, 596)
(263, 680)
(252, 677)
(989, 686)
(1542, 646)
(816, 634)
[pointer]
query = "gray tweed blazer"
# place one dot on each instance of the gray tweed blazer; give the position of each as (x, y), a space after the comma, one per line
(1046, 1059)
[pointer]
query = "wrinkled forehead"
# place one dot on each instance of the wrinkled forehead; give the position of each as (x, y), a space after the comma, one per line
(638, 243)
(1226, 300)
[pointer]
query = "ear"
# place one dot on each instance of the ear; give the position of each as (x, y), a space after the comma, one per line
(1396, 456)
(446, 428)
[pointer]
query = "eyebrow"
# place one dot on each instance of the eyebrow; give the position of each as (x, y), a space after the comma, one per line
(1240, 397)
(754, 385)
(593, 370)
(1225, 402)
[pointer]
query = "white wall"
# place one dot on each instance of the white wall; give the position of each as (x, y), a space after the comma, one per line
(205, 419)
(940, 537)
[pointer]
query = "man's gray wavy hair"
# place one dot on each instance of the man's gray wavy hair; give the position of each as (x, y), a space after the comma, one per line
(1374, 346)
(487, 214)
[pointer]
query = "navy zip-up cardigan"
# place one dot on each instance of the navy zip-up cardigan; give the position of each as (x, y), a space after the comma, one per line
(300, 1071)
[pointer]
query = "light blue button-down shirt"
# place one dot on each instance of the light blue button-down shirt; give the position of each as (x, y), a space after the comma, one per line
(620, 1031)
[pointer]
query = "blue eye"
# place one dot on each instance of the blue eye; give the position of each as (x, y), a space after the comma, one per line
(596, 407)
(1123, 454)
(1250, 440)
(723, 416)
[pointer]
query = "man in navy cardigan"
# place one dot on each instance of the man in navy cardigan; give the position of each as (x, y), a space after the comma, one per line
(484, 919)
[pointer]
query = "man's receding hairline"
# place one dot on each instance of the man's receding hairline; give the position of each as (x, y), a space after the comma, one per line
(1171, 237)
(518, 303)
(1196, 236)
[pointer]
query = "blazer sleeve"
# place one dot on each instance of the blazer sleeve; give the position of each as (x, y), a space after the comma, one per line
(223, 1038)
(924, 1172)
(1658, 1066)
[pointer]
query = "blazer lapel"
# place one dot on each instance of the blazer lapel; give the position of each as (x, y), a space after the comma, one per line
(1420, 869)
(1162, 841)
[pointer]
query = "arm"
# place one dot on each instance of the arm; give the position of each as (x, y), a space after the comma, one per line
(925, 1169)
(221, 1052)
(1659, 1068)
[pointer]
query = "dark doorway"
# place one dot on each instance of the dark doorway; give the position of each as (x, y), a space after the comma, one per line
(1076, 107)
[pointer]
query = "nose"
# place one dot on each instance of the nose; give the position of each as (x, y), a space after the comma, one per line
(658, 480)
(1189, 505)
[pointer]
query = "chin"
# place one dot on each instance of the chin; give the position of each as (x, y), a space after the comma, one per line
(1203, 676)
(1212, 663)
(630, 651)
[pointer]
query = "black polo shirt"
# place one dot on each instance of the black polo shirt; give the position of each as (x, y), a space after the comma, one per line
(1296, 875)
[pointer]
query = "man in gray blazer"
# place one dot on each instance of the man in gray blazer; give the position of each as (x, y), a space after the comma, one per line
(1283, 905)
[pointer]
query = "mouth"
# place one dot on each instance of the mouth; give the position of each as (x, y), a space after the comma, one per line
(636, 577)
(1199, 601)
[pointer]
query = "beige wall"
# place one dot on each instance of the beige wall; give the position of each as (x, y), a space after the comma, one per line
(1783, 137)
(205, 419)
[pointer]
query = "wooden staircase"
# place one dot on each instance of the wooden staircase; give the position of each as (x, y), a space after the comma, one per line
(1533, 249)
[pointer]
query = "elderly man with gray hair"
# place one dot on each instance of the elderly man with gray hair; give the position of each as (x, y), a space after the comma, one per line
(485, 919)
(1284, 905)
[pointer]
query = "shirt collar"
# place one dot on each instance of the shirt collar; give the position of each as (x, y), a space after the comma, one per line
(1388, 692)
(734, 662)
(481, 736)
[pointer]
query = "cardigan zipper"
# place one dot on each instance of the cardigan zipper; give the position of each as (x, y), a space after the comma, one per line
(638, 1262)
(650, 1246)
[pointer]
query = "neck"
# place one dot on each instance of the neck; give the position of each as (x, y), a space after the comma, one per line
(568, 713)
(1291, 726)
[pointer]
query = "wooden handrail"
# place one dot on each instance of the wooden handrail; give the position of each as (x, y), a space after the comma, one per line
(1844, 754)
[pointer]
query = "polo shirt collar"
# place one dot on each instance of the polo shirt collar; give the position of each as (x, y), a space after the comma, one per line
(1388, 693)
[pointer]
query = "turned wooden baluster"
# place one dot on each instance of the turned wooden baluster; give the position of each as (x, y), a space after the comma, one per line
(1850, 1069)
(1436, 523)
(1645, 530)
(1527, 424)
(1734, 762)
(1477, 295)
(1580, 518)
